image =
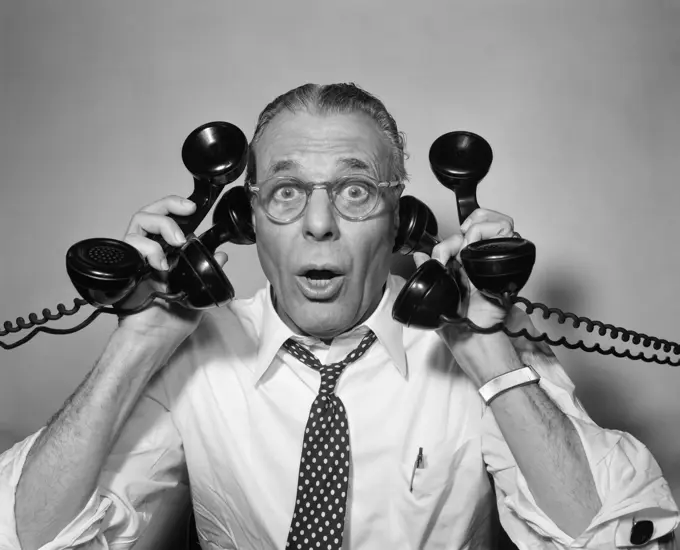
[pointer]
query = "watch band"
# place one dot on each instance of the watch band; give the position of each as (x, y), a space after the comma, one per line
(504, 382)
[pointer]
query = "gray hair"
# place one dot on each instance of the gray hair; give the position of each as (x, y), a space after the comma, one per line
(334, 99)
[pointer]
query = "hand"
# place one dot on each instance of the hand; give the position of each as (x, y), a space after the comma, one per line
(480, 225)
(162, 321)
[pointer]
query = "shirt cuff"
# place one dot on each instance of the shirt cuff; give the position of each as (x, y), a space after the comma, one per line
(661, 521)
(84, 528)
(628, 480)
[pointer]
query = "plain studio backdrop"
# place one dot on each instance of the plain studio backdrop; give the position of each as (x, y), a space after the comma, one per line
(579, 100)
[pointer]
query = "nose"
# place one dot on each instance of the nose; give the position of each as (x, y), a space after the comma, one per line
(319, 221)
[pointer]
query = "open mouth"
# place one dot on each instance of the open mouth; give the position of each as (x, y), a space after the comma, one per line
(320, 284)
(320, 277)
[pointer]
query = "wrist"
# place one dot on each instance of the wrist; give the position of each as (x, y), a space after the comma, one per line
(123, 372)
(510, 380)
(486, 356)
(130, 351)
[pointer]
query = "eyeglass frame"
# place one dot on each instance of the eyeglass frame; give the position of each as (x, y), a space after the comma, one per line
(327, 185)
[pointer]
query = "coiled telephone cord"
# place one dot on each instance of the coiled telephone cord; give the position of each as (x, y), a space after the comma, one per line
(34, 320)
(616, 333)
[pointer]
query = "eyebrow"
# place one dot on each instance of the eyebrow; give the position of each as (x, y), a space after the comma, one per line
(354, 164)
(282, 166)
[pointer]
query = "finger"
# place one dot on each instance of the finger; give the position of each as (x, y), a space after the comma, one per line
(478, 215)
(172, 204)
(221, 258)
(483, 215)
(150, 250)
(144, 223)
(487, 230)
(420, 258)
(448, 248)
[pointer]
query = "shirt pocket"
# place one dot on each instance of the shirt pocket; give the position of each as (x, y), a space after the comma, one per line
(449, 501)
(423, 517)
(434, 476)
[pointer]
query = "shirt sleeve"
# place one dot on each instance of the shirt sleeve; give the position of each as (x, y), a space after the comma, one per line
(628, 479)
(144, 473)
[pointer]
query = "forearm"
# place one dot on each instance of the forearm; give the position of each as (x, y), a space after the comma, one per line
(543, 441)
(63, 466)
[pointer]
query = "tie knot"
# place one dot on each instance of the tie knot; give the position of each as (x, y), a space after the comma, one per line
(329, 373)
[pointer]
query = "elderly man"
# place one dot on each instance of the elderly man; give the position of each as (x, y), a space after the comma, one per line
(306, 417)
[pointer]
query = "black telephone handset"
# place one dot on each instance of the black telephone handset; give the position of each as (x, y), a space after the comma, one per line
(498, 267)
(106, 271)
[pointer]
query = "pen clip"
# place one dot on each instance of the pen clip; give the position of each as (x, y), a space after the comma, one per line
(416, 465)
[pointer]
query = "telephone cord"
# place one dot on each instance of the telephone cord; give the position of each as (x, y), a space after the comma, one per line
(33, 319)
(616, 333)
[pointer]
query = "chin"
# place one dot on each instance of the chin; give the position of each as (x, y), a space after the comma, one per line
(322, 320)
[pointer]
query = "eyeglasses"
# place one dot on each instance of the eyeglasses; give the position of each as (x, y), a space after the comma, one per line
(354, 197)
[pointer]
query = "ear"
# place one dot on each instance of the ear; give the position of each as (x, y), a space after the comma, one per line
(396, 207)
(252, 214)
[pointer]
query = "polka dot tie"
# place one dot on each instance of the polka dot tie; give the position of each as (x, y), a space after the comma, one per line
(319, 517)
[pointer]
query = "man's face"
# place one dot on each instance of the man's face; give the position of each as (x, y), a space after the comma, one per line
(327, 272)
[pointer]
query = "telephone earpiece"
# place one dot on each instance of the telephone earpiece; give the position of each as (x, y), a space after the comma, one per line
(106, 271)
(497, 267)
(460, 160)
(418, 229)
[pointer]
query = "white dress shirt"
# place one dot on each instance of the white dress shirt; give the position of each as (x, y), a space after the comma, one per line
(230, 410)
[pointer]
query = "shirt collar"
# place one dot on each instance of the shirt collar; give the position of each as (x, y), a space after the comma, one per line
(274, 332)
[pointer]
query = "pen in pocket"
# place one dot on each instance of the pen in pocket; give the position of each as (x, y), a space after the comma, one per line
(416, 465)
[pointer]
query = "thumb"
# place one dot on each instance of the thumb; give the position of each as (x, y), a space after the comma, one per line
(420, 258)
(221, 258)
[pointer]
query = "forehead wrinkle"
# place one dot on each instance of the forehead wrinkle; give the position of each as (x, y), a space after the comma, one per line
(353, 164)
(292, 142)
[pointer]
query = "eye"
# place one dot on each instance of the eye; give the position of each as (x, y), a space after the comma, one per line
(356, 191)
(286, 192)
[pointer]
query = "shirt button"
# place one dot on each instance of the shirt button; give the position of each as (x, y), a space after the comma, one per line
(641, 532)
